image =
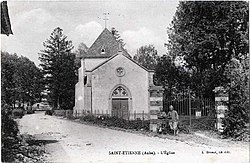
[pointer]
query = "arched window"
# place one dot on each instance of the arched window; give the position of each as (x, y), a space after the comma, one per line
(119, 92)
(102, 51)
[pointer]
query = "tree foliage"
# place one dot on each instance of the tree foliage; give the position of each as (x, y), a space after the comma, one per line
(21, 80)
(9, 134)
(172, 77)
(237, 116)
(14, 146)
(117, 36)
(147, 56)
(58, 68)
(80, 52)
(207, 35)
(212, 40)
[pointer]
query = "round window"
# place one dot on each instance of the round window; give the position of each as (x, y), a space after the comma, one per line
(120, 71)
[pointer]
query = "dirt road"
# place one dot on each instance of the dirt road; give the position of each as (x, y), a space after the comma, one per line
(69, 141)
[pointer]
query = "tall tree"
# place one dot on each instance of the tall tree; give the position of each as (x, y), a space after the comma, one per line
(172, 77)
(207, 35)
(7, 78)
(21, 80)
(117, 36)
(58, 67)
(80, 52)
(28, 80)
(147, 56)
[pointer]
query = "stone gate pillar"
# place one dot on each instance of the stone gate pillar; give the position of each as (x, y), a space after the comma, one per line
(221, 100)
(156, 104)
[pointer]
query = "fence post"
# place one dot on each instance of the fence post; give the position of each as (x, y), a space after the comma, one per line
(189, 99)
(134, 115)
(143, 118)
(183, 104)
(204, 110)
(128, 115)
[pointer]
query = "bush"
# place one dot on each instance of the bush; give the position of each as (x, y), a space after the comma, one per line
(14, 146)
(49, 112)
(18, 112)
(235, 122)
(9, 126)
(88, 118)
(203, 123)
(9, 137)
(117, 122)
(236, 119)
(30, 111)
(70, 116)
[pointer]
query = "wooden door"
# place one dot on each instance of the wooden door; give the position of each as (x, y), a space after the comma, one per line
(120, 108)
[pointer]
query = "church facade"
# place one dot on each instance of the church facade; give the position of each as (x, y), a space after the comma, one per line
(110, 82)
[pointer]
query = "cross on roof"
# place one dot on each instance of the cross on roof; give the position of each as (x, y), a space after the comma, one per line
(105, 18)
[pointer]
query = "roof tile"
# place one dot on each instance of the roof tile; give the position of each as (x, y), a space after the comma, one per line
(107, 41)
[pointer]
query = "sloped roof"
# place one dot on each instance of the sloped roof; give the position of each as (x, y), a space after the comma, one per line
(5, 20)
(128, 57)
(106, 40)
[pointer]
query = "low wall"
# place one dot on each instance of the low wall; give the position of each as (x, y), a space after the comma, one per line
(65, 113)
(129, 115)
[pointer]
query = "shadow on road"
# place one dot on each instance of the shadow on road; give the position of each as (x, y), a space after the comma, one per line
(41, 142)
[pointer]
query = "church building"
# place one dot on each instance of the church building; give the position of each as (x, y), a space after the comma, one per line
(111, 83)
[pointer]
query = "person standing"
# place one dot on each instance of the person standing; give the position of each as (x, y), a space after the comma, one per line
(173, 119)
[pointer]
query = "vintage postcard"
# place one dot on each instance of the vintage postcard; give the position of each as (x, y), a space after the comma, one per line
(125, 81)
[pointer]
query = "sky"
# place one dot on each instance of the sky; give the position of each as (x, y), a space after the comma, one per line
(138, 22)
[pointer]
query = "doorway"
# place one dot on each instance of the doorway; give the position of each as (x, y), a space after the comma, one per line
(120, 104)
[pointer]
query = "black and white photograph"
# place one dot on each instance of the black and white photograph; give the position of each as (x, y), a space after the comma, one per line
(125, 81)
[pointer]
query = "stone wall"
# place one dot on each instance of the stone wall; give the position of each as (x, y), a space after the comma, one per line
(221, 100)
(156, 105)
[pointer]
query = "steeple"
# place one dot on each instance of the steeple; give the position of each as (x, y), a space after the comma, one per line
(105, 46)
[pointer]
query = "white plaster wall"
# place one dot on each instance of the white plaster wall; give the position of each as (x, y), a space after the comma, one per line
(87, 98)
(104, 79)
(79, 99)
(79, 93)
(91, 63)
